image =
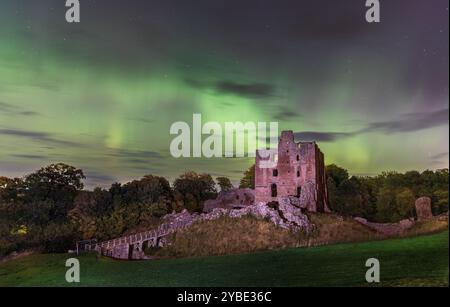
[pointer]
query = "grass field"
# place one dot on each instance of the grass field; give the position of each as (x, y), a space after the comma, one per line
(418, 261)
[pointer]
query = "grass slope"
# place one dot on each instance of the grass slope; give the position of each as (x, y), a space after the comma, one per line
(410, 261)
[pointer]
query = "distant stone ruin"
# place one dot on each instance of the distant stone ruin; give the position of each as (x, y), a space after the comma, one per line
(423, 208)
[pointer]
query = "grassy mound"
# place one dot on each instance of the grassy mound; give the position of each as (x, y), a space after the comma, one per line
(333, 228)
(427, 227)
(227, 235)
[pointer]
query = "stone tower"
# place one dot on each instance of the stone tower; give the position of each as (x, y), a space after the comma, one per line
(296, 170)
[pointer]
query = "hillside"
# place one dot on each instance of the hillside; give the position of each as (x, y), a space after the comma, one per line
(418, 261)
(248, 234)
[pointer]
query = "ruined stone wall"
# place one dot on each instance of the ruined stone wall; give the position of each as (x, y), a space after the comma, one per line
(263, 179)
(288, 165)
(321, 182)
(299, 165)
(389, 229)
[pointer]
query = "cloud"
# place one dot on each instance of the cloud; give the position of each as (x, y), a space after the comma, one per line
(439, 155)
(135, 154)
(37, 136)
(95, 179)
(309, 136)
(247, 90)
(439, 158)
(29, 113)
(142, 119)
(410, 122)
(31, 157)
(100, 178)
(252, 90)
(286, 114)
(6, 107)
(15, 110)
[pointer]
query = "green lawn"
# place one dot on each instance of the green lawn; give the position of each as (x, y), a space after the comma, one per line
(413, 261)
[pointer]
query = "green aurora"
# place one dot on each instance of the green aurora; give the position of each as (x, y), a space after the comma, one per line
(102, 94)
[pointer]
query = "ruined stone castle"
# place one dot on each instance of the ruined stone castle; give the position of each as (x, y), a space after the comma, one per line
(294, 170)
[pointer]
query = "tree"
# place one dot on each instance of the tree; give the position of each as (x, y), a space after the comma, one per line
(148, 189)
(57, 175)
(4, 182)
(405, 203)
(440, 201)
(332, 195)
(347, 199)
(224, 184)
(195, 189)
(57, 183)
(338, 174)
(248, 181)
(386, 210)
(11, 190)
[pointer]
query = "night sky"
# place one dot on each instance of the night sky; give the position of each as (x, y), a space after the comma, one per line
(102, 94)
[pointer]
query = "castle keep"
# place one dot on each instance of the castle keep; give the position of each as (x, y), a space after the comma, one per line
(297, 170)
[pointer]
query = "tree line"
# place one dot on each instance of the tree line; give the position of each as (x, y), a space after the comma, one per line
(388, 197)
(50, 210)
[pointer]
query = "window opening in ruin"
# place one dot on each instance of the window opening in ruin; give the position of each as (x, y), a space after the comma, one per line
(274, 190)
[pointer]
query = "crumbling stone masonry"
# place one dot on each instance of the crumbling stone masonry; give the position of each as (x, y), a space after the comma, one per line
(298, 171)
(234, 199)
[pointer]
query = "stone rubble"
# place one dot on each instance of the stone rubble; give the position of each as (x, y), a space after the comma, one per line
(233, 199)
(389, 229)
(288, 216)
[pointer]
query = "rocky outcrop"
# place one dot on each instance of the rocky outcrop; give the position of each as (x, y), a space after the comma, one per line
(290, 209)
(423, 208)
(287, 216)
(234, 199)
